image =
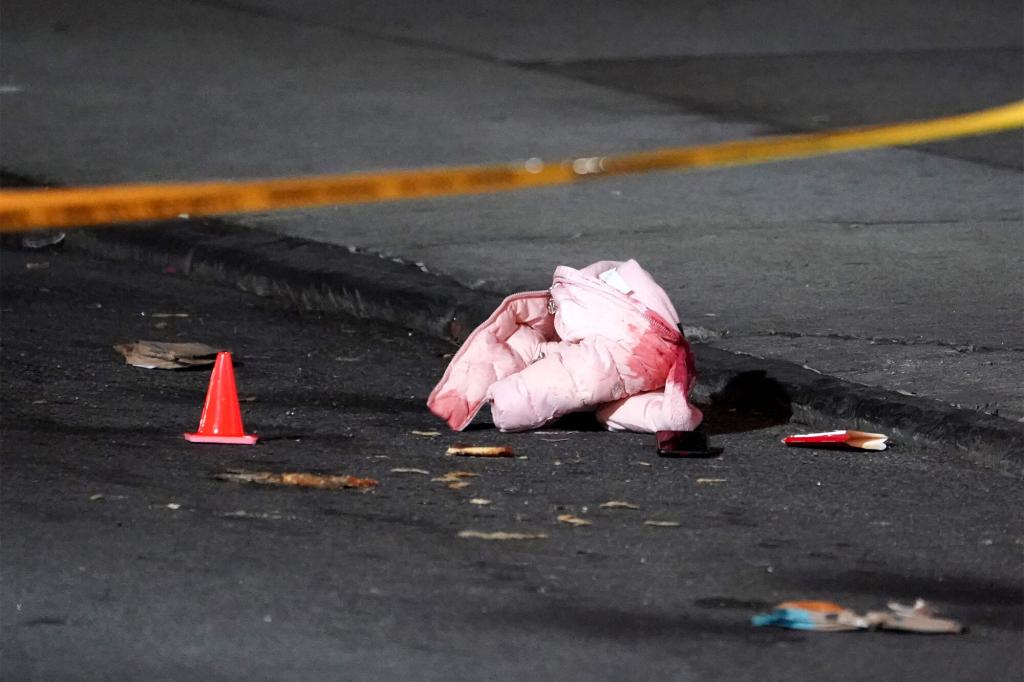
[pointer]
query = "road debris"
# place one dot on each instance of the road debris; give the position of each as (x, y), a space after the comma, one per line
(160, 355)
(43, 239)
(453, 476)
(573, 520)
(98, 497)
(426, 434)
(618, 504)
(37, 266)
(662, 524)
(500, 535)
(174, 505)
(858, 440)
(480, 502)
(160, 315)
(298, 479)
(710, 481)
(825, 616)
(405, 470)
(242, 514)
(454, 479)
(480, 451)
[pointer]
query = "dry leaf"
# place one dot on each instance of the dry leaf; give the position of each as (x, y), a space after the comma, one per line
(160, 355)
(662, 524)
(452, 476)
(479, 501)
(458, 485)
(500, 535)
(300, 480)
(480, 451)
(702, 481)
(426, 434)
(618, 504)
(401, 470)
(573, 520)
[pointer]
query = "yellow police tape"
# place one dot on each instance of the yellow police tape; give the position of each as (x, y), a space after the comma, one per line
(27, 209)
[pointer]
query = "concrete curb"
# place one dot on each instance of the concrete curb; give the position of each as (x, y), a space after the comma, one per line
(318, 276)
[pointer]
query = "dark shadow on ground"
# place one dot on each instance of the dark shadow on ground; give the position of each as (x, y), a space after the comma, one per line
(634, 626)
(748, 402)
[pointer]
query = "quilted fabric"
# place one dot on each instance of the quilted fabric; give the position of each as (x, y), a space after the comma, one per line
(603, 339)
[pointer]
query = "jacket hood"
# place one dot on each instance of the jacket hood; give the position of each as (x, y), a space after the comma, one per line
(627, 278)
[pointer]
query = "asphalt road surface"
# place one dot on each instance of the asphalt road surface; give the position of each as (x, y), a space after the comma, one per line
(896, 268)
(123, 558)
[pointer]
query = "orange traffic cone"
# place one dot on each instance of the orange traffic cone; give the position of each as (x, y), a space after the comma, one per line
(222, 419)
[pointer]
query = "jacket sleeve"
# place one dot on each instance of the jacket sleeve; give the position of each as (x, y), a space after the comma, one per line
(666, 410)
(650, 413)
(508, 341)
(571, 377)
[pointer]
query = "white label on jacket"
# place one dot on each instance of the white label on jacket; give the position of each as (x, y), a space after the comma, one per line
(614, 279)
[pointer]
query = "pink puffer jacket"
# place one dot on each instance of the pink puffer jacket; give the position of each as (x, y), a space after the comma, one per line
(604, 339)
